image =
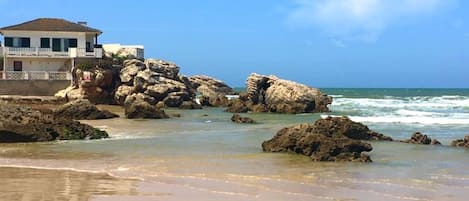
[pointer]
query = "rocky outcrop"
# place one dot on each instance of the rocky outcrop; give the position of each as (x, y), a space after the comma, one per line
(23, 124)
(213, 92)
(272, 94)
(157, 81)
(419, 138)
(461, 142)
(242, 120)
(95, 82)
(138, 107)
(82, 109)
(329, 139)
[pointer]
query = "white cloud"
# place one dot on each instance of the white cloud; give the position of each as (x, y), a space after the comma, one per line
(360, 19)
(338, 43)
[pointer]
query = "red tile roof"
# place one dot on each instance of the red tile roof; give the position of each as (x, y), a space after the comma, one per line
(51, 24)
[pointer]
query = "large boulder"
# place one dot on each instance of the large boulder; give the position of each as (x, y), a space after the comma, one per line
(136, 107)
(23, 124)
(329, 139)
(157, 80)
(164, 68)
(272, 94)
(82, 109)
(96, 83)
(461, 142)
(420, 138)
(213, 92)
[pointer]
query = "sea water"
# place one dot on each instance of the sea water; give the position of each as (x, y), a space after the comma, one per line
(204, 156)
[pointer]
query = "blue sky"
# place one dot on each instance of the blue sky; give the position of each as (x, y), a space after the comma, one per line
(323, 43)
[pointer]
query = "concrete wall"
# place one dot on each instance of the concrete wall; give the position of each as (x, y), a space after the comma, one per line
(32, 87)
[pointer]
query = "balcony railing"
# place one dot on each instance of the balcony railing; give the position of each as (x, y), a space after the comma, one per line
(35, 75)
(47, 52)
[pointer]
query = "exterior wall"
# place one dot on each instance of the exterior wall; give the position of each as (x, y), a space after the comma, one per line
(36, 64)
(124, 50)
(90, 38)
(32, 87)
(36, 36)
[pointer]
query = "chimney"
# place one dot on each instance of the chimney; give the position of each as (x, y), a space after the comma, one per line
(83, 23)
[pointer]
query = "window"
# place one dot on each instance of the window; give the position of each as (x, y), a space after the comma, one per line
(45, 42)
(62, 44)
(17, 42)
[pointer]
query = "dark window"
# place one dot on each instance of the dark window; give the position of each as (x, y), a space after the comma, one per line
(88, 47)
(45, 42)
(17, 66)
(25, 42)
(8, 42)
(72, 42)
(56, 47)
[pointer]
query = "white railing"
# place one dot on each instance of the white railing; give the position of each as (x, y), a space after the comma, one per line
(35, 75)
(47, 52)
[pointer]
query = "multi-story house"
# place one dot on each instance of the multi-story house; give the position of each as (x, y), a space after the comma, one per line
(47, 49)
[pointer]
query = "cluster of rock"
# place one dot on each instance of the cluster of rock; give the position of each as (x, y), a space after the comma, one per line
(419, 138)
(461, 142)
(135, 107)
(212, 91)
(329, 139)
(82, 109)
(96, 84)
(242, 120)
(272, 94)
(24, 124)
(156, 82)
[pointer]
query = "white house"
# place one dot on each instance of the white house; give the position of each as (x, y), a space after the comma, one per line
(47, 49)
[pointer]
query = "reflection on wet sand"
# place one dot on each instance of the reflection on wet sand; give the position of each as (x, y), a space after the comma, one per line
(29, 184)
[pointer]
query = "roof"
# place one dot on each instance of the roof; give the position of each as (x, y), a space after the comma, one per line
(50, 24)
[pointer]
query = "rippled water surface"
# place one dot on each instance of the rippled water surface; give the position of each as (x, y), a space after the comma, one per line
(203, 156)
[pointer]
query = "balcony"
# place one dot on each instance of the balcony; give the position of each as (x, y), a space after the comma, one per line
(48, 53)
(35, 75)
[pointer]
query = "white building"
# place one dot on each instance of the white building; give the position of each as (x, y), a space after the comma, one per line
(133, 51)
(47, 48)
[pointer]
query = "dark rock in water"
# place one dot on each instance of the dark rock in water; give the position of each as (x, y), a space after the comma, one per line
(304, 139)
(237, 106)
(419, 138)
(461, 142)
(81, 109)
(242, 120)
(189, 105)
(338, 126)
(271, 94)
(23, 124)
(329, 139)
(138, 108)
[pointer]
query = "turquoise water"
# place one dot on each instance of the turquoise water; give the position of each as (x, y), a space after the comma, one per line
(203, 156)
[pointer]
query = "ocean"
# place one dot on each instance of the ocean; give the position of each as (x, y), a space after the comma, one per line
(203, 156)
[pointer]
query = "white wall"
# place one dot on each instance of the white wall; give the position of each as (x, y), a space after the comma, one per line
(31, 64)
(37, 35)
(134, 50)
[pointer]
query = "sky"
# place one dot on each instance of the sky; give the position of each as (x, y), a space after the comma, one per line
(322, 43)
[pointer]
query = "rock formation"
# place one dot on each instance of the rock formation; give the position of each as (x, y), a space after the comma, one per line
(461, 142)
(156, 81)
(272, 94)
(93, 81)
(212, 91)
(242, 120)
(419, 138)
(23, 124)
(329, 139)
(137, 107)
(82, 109)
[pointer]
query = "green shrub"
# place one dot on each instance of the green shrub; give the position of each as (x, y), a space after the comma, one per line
(86, 66)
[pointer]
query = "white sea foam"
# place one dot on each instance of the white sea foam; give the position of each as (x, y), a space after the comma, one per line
(408, 110)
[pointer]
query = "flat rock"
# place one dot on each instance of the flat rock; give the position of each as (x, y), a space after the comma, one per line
(461, 142)
(242, 120)
(82, 109)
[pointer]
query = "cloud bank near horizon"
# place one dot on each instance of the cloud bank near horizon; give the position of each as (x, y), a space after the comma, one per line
(362, 20)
